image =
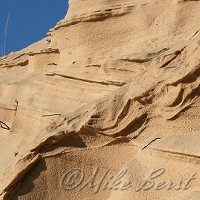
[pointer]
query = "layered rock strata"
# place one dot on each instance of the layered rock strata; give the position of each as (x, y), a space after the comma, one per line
(113, 90)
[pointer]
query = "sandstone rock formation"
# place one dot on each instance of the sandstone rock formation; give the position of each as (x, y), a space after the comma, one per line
(112, 93)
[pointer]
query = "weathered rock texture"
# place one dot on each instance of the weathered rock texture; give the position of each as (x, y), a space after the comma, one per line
(115, 85)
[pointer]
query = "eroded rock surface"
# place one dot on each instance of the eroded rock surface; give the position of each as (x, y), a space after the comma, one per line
(114, 86)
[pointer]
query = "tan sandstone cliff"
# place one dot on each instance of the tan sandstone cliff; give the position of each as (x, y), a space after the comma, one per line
(106, 106)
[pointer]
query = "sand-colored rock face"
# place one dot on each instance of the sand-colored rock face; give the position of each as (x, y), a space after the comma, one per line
(106, 106)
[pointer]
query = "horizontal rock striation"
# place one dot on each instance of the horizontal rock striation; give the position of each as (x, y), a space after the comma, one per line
(115, 85)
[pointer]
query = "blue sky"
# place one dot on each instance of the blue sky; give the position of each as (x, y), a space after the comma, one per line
(28, 21)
